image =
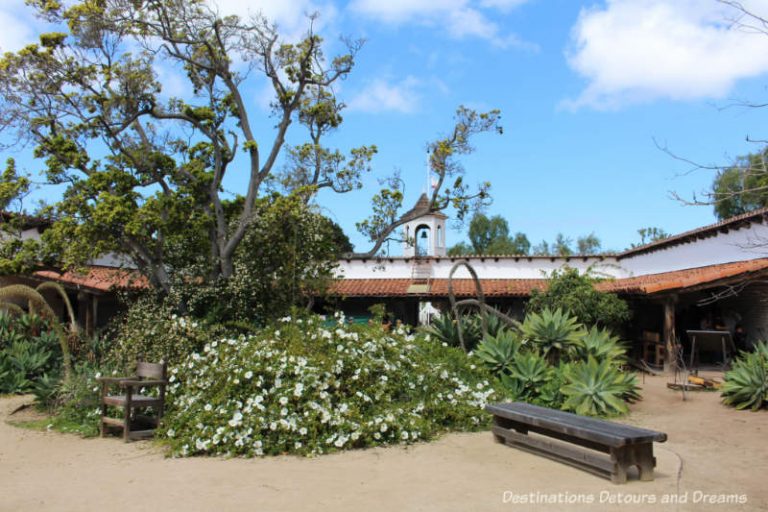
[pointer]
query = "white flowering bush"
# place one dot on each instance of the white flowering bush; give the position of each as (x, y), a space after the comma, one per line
(309, 386)
(150, 330)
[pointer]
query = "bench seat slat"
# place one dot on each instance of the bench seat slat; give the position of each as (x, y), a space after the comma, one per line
(611, 434)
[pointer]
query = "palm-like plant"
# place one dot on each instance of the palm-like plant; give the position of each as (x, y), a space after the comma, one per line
(746, 384)
(594, 389)
(554, 332)
(600, 344)
(498, 352)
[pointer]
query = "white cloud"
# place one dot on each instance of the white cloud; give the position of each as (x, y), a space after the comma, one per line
(290, 15)
(382, 96)
(17, 30)
(460, 18)
(640, 50)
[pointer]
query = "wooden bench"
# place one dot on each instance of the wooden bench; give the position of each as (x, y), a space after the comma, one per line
(604, 448)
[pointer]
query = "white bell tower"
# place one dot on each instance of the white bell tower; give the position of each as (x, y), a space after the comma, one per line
(424, 236)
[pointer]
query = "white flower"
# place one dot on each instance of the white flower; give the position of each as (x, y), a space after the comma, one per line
(297, 445)
(249, 374)
(237, 419)
(208, 407)
(171, 432)
(303, 431)
(298, 389)
(283, 400)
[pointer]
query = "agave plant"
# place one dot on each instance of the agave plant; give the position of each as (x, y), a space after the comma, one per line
(594, 389)
(600, 344)
(527, 376)
(446, 330)
(498, 352)
(555, 333)
(746, 384)
(38, 304)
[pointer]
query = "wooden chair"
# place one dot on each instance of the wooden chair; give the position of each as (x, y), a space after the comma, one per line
(135, 426)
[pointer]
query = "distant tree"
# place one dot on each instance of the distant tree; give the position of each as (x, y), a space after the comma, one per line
(460, 249)
(520, 244)
(650, 235)
(588, 244)
(485, 232)
(742, 187)
(562, 245)
(541, 249)
(490, 236)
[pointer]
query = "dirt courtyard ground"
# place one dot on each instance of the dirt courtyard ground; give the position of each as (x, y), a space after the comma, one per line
(712, 451)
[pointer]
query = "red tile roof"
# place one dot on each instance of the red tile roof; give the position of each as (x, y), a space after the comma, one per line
(643, 285)
(97, 278)
(104, 279)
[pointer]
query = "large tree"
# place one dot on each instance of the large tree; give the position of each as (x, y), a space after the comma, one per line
(144, 175)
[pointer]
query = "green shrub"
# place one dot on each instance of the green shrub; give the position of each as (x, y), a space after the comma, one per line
(77, 402)
(575, 293)
(304, 387)
(746, 384)
(151, 330)
(527, 376)
(29, 351)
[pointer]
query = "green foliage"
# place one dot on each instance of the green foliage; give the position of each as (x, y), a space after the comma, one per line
(650, 235)
(76, 406)
(143, 174)
(304, 387)
(746, 384)
(490, 236)
(151, 330)
(596, 388)
(29, 352)
(742, 187)
(445, 328)
(575, 293)
(601, 344)
(555, 333)
(451, 190)
(498, 352)
(286, 259)
(560, 364)
(526, 376)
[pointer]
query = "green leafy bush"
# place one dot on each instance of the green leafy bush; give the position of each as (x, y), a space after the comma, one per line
(600, 344)
(746, 384)
(498, 352)
(152, 331)
(305, 387)
(575, 293)
(29, 350)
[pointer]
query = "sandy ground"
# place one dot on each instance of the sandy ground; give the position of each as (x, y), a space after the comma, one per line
(722, 451)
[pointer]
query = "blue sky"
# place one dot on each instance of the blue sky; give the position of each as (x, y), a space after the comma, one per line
(585, 88)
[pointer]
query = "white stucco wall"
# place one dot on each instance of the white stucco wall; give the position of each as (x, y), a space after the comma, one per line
(486, 268)
(737, 245)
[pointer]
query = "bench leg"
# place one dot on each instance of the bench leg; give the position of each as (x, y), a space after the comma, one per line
(640, 455)
(619, 459)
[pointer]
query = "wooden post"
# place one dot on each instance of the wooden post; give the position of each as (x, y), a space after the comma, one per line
(669, 334)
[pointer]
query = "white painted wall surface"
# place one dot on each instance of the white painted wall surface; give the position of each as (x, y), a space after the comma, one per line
(504, 268)
(736, 245)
